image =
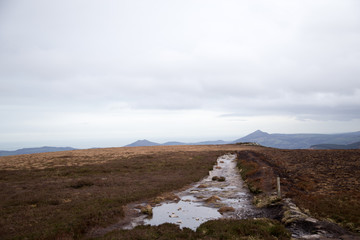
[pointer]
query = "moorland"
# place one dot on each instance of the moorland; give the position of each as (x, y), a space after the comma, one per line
(63, 195)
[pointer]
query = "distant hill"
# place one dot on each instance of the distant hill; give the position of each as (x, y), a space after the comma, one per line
(173, 143)
(35, 150)
(299, 141)
(355, 145)
(276, 140)
(142, 143)
(145, 143)
(217, 142)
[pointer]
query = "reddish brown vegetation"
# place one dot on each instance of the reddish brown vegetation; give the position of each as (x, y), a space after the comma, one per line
(264, 229)
(99, 156)
(327, 182)
(63, 194)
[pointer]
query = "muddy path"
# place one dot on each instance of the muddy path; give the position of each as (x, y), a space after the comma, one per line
(222, 194)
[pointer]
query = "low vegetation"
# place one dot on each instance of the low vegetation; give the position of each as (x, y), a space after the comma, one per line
(264, 229)
(65, 202)
(248, 171)
(64, 194)
(324, 182)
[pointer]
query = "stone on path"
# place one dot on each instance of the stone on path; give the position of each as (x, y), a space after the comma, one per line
(226, 209)
(147, 210)
(212, 199)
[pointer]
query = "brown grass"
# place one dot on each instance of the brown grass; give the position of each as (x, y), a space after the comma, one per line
(246, 229)
(326, 182)
(99, 156)
(63, 194)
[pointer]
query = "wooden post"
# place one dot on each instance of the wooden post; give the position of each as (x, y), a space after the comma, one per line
(278, 187)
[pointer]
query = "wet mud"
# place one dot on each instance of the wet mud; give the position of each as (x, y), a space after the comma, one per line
(220, 195)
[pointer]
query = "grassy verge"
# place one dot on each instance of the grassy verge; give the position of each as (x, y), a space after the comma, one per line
(249, 171)
(64, 202)
(263, 229)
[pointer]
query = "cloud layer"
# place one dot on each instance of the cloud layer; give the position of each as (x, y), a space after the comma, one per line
(233, 59)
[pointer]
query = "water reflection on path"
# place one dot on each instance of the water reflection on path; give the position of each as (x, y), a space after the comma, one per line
(202, 201)
(188, 212)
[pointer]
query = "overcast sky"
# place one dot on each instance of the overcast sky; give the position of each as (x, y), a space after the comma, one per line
(106, 73)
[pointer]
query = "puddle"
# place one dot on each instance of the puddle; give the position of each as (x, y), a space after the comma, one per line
(188, 212)
(200, 204)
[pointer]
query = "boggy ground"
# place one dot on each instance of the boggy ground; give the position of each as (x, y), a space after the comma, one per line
(323, 183)
(245, 229)
(62, 195)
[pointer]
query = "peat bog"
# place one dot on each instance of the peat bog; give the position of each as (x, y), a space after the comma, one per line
(63, 195)
(324, 183)
(64, 201)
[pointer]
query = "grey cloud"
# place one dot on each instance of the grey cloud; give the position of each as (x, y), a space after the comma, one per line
(290, 58)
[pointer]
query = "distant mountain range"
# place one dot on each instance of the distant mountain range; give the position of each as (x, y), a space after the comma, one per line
(146, 143)
(35, 150)
(355, 145)
(299, 141)
(276, 140)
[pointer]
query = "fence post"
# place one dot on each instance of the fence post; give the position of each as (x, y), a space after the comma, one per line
(278, 187)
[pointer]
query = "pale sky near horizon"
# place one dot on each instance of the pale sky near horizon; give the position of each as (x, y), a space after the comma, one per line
(106, 73)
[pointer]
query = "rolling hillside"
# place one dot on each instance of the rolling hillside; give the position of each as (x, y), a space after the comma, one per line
(276, 140)
(35, 150)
